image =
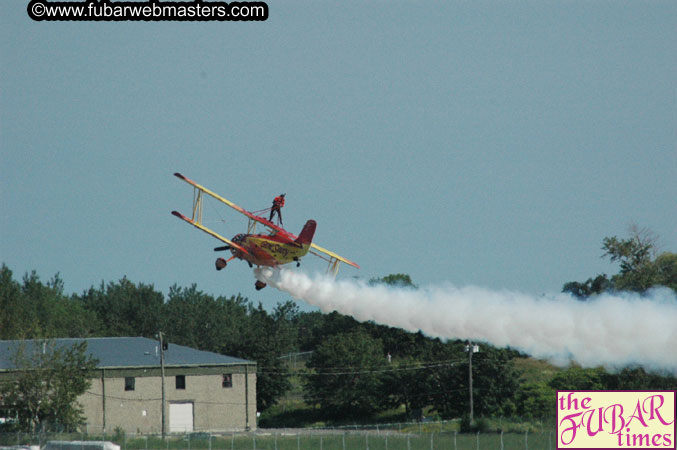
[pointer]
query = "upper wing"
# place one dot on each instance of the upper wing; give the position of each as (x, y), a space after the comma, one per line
(265, 222)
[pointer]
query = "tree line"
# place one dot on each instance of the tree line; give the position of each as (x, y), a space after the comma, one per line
(356, 369)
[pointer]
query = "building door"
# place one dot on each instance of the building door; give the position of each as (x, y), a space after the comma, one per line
(180, 417)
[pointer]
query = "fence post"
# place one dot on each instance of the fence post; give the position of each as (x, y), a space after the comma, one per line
(455, 433)
(344, 440)
(478, 440)
(526, 440)
(254, 440)
(386, 438)
(232, 440)
(275, 440)
(501, 439)
(298, 441)
(408, 441)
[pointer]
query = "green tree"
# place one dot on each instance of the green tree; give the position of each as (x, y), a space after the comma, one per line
(396, 341)
(665, 270)
(195, 319)
(535, 400)
(314, 327)
(345, 375)
(125, 308)
(394, 279)
(577, 378)
(264, 339)
(635, 257)
(592, 286)
(47, 381)
(33, 309)
(637, 378)
(14, 318)
(309, 328)
(407, 382)
(640, 266)
(495, 381)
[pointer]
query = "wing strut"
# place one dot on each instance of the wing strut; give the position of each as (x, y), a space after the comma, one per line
(334, 262)
(333, 266)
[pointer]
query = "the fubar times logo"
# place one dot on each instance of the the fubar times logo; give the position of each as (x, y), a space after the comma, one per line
(616, 419)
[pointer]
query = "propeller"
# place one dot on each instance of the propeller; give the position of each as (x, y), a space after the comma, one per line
(220, 249)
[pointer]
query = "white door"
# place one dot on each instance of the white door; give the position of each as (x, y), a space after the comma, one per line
(180, 417)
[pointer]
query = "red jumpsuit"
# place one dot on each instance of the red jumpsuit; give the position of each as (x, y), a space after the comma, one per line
(278, 203)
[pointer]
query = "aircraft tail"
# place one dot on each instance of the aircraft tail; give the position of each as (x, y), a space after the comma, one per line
(306, 236)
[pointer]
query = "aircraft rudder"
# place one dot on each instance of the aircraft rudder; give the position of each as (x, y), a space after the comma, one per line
(306, 236)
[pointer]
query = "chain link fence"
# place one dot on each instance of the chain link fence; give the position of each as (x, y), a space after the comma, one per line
(307, 439)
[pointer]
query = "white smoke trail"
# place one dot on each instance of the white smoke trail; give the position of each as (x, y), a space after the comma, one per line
(610, 330)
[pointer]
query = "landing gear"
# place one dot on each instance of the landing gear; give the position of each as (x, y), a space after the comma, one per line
(220, 263)
(259, 285)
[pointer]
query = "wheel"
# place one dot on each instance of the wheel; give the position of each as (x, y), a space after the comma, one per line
(220, 263)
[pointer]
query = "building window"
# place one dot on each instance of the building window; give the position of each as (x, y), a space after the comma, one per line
(227, 380)
(180, 382)
(129, 383)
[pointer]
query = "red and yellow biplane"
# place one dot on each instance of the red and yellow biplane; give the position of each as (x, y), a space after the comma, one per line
(273, 249)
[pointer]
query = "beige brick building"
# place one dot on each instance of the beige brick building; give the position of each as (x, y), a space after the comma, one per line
(204, 391)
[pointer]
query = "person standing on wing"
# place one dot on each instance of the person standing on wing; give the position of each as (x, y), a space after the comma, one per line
(278, 203)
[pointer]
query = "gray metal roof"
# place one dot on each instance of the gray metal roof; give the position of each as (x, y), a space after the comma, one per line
(128, 352)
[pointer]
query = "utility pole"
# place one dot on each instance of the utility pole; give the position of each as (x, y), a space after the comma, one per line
(246, 397)
(471, 348)
(162, 374)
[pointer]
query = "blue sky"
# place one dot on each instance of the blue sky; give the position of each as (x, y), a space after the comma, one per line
(489, 143)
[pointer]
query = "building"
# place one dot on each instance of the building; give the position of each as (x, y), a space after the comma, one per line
(204, 391)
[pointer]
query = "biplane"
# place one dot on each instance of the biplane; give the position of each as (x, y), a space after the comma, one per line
(274, 248)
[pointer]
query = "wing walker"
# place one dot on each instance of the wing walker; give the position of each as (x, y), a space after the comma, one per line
(273, 248)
